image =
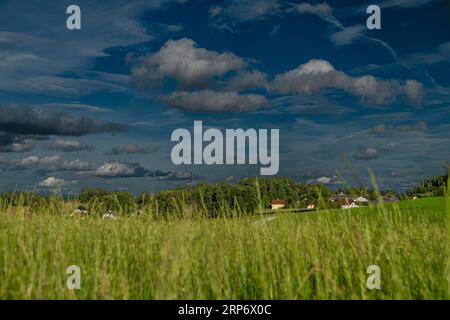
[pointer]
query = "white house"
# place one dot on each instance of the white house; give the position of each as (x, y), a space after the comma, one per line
(278, 204)
(350, 206)
(80, 211)
(361, 201)
(109, 215)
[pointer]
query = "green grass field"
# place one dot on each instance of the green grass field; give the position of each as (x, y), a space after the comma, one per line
(314, 255)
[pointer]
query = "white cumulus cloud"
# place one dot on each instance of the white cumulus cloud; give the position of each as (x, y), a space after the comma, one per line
(52, 182)
(318, 75)
(188, 64)
(119, 170)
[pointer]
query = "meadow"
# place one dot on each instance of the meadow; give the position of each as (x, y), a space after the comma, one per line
(313, 255)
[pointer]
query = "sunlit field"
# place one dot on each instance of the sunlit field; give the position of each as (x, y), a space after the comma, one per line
(313, 255)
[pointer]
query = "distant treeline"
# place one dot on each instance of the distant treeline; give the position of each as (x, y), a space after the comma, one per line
(213, 199)
(433, 187)
(246, 196)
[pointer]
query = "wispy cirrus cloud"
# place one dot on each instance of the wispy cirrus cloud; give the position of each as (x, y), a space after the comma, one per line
(232, 13)
(436, 56)
(347, 35)
(76, 107)
(37, 60)
(406, 3)
(323, 8)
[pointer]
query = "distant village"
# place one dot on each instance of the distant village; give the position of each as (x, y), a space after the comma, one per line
(342, 200)
(248, 196)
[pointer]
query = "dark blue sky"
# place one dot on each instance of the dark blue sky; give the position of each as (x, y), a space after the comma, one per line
(97, 106)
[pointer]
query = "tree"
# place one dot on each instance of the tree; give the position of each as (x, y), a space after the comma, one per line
(88, 194)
